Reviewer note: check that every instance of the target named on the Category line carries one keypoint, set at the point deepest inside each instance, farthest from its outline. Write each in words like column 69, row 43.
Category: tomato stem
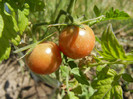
column 109, row 63
column 33, row 45
column 94, row 20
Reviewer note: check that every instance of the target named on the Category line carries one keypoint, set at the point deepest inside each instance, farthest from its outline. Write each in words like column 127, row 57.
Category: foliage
column 39, row 20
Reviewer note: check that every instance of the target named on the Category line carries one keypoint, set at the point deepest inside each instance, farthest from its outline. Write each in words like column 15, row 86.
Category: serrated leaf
column 111, row 48
column 23, row 18
column 1, row 25
column 107, row 85
column 96, row 10
column 127, row 77
column 9, row 34
column 116, row 14
column 80, row 77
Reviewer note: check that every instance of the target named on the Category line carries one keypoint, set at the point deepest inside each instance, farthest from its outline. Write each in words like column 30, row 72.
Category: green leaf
column 129, row 57
column 107, row 85
column 72, row 64
column 64, row 71
column 9, row 34
column 87, row 92
column 70, row 95
column 97, row 39
column 96, row 10
column 23, row 18
column 111, row 14
column 127, row 77
column 111, row 49
column 4, row 49
column 80, row 77
column 77, row 90
column 36, row 5
column 116, row 14
column 47, row 79
column 1, row 25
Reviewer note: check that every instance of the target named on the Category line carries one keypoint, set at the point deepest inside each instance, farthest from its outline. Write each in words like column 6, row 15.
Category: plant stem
column 108, row 63
column 100, row 18
column 70, row 9
column 32, row 45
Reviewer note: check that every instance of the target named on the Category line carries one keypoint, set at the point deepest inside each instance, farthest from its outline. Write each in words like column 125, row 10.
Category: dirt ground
column 15, row 84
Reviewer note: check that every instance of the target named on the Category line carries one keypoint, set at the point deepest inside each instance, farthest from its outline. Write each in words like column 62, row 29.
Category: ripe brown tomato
column 44, row 59
column 76, row 42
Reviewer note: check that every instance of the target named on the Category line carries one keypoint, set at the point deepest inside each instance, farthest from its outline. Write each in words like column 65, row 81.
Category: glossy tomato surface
column 76, row 42
column 44, row 59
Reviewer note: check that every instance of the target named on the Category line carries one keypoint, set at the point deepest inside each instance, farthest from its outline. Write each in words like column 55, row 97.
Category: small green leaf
column 72, row 64
column 80, row 77
column 96, row 10
column 127, row 77
column 116, row 14
column 64, row 71
column 107, row 85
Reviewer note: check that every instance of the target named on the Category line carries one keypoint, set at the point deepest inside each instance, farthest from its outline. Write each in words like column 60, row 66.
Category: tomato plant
column 44, row 59
column 32, row 28
column 76, row 42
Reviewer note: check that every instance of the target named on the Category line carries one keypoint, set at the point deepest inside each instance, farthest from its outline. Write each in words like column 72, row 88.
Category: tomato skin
column 76, row 42
column 44, row 59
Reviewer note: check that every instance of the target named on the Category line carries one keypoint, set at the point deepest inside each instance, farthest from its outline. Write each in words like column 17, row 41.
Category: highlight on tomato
column 44, row 59
column 76, row 42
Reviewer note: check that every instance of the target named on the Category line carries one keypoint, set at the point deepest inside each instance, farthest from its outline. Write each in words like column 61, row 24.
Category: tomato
column 76, row 42
column 44, row 59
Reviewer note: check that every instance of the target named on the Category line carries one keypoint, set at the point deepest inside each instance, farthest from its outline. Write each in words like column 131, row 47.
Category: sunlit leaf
column 9, row 34
column 107, row 85
column 111, row 49
column 23, row 18
column 70, row 95
column 116, row 14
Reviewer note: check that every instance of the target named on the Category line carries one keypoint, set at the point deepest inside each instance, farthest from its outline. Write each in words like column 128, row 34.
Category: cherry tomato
column 76, row 42
column 44, row 59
